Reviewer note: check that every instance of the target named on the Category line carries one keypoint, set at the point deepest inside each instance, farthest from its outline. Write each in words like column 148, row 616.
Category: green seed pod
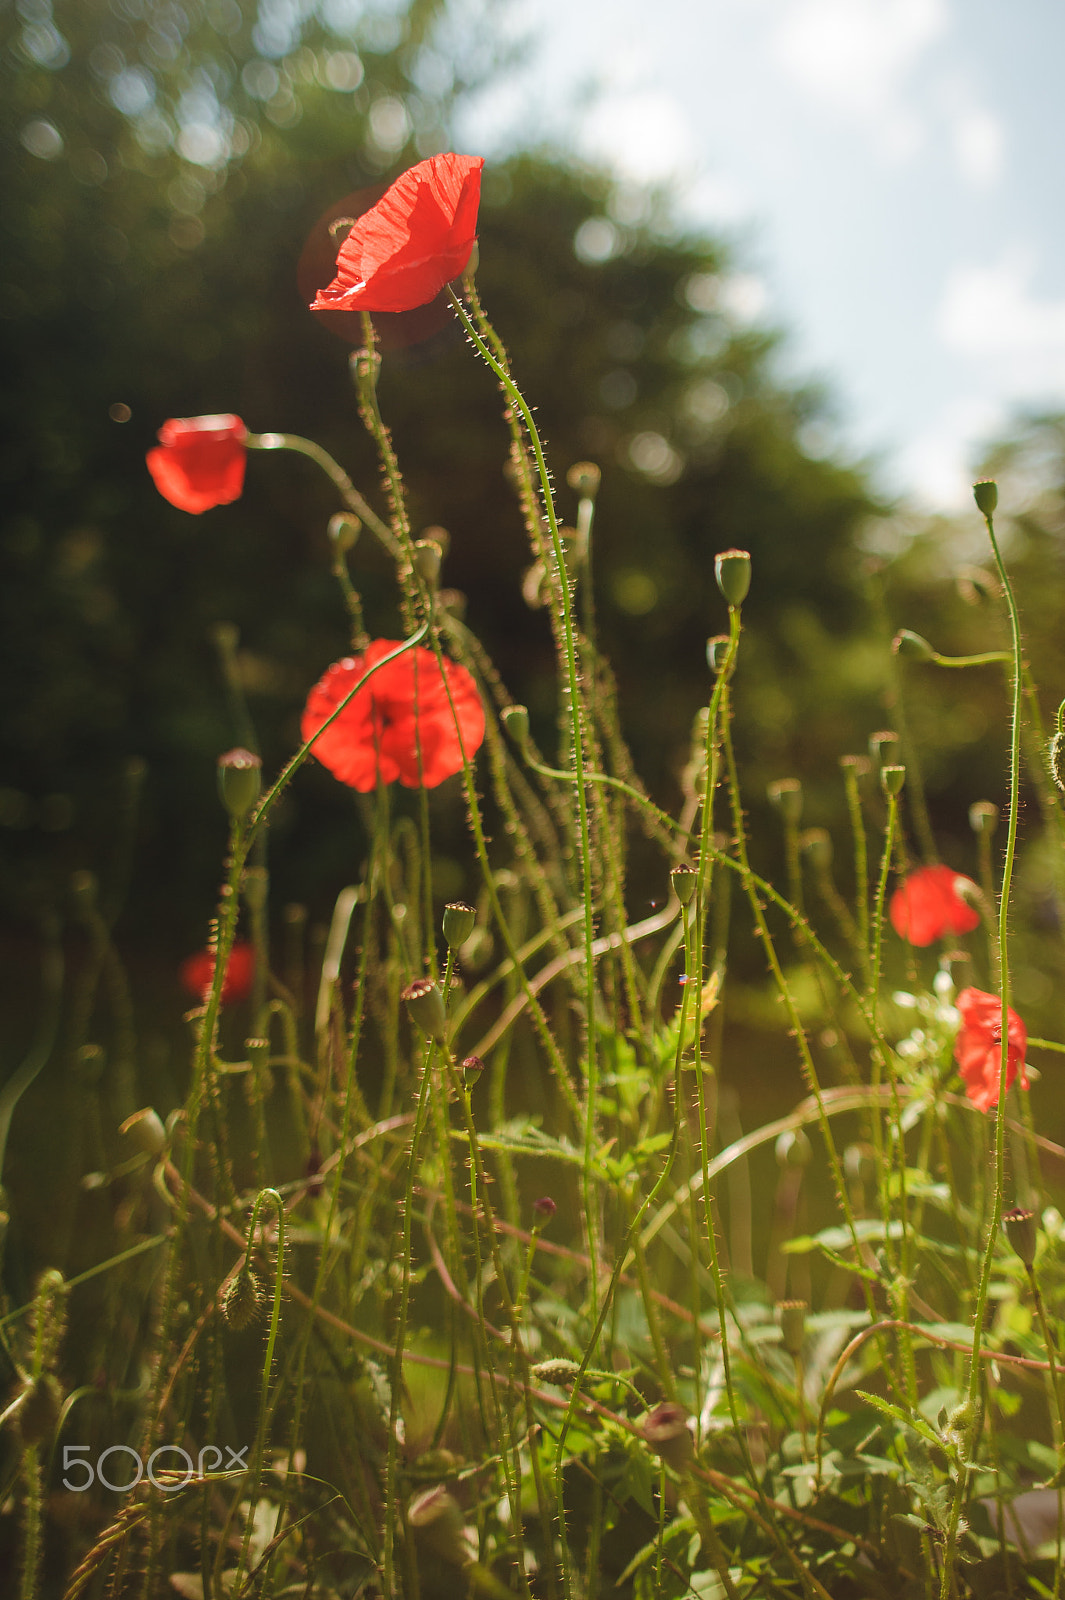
column 685, row 880
column 883, row 745
column 665, row 1428
column 892, row 780
column 791, row 1315
column 243, row 1300
column 732, row 569
column 861, row 766
column 985, row 494
column 343, row 531
column 983, row 816
column 908, row 643
column 515, row 720
column 1022, row 1231
column 472, row 1067
column 426, row 1006
column 786, row 797
column 459, row 920
column 240, row 781
column 584, row 478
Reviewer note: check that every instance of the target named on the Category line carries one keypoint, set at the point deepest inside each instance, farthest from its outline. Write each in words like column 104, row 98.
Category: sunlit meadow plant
column 465, row 1278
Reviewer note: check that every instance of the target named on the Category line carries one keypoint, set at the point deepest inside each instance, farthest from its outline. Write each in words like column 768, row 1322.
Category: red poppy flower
column 978, row 1047
column 929, row 905
column 197, row 973
column 400, row 724
column 199, row 461
column 418, row 236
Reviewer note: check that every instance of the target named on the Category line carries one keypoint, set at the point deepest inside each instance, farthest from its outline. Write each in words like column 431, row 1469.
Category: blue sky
column 891, row 172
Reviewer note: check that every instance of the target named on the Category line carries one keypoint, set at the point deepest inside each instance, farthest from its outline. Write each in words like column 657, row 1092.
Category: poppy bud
column 426, row 1006
column 882, row 745
column 817, row 844
column 717, row 651
column 983, row 816
column 240, row 781
column 515, row 720
column 242, row 1301
column 985, row 494
column 786, row 796
column 665, row 1428
column 427, row 559
column 793, row 1148
column 1022, row 1231
column 684, row 880
column 584, row 478
column 343, row 531
column 147, row 1131
column 892, row 780
column 472, row 1067
column 908, row 643
column 436, row 1517
column 732, row 569
column 543, row 1210
column 558, row 1372
column 459, row 920
column 792, row 1318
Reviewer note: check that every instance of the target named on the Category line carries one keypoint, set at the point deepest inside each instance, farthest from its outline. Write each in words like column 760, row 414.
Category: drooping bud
column 343, row 531
column 459, row 919
column 243, row 1300
column 427, row 558
column 816, row 843
column 793, row 1148
column 892, row 780
column 240, row 781
column 515, row 720
column 440, row 537
column 685, row 880
column 908, row 643
column 792, row 1317
column 436, row 1517
column 983, row 816
column 665, row 1428
column 786, row 796
column 732, row 569
column 717, row 652
column 543, row 1210
column 985, row 493
column 1022, row 1231
column 426, row 1006
column 584, row 478
column 146, row 1129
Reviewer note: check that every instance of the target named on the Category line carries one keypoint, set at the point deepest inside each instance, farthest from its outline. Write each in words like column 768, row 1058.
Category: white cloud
column 854, row 57
column 978, row 146
column 992, row 315
column 643, row 134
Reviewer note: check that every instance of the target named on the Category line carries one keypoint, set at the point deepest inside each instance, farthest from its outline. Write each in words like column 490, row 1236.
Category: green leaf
column 915, row 1424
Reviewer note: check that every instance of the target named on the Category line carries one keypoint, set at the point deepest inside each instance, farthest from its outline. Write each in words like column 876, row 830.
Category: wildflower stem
column 272, row 1198
column 336, row 474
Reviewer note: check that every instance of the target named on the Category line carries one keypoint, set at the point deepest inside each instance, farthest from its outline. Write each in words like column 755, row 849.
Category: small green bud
column 584, row 478
column 459, row 920
column 985, row 494
column 983, row 816
column 515, row 720
column 437, row 1519
column 240, row 781
column 1022, row 1231
column 665, row 1428
column 882, row 745
column 343, row 531
column 543, row 1210
column 472, row 1067
column 892, row 780
column 427, row 558
column 684, row 879
column 791, row 1315
column 243, row 1300
column 908, row 643
column 559, row 1372
column 426, row 1006
column 717, row 652
column 793, row 1149
column 786, row 796
column 732, row 569
column 816, row 843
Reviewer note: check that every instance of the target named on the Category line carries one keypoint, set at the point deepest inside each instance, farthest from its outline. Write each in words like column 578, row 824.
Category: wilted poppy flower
column 199, row 461
column 929, row 905
column 197, row 973
column 978, row 1047
column 400, row 724
column 418, row 236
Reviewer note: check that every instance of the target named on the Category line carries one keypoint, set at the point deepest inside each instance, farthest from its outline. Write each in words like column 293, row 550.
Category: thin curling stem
column 951, row 1545
column 573, row 688
column 263, row 1198
column 336, row 474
